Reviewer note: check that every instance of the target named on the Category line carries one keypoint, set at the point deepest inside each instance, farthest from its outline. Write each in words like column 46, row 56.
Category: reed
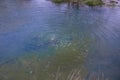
column 75, row 74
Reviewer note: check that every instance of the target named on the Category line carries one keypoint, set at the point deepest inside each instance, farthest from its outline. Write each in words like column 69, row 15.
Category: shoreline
column 89, row 2
column 111, row 2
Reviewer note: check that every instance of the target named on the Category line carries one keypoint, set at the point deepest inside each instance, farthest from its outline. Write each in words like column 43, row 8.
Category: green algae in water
column 33, row 67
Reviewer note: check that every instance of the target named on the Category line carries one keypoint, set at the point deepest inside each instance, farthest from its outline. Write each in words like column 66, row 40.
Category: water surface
column 44, row 28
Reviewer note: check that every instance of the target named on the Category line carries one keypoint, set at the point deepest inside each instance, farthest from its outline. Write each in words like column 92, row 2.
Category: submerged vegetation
column 66, row 63
column 59, row 1
column 33, row 68
column 87, row 2
column 66, row 58
column 93, row 2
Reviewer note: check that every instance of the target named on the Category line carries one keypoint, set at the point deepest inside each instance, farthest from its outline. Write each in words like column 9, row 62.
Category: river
column 40, row 27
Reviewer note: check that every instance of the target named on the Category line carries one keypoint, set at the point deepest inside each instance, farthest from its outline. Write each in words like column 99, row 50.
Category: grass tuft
column 87, row 2
column 93, row 2
column 59, row 1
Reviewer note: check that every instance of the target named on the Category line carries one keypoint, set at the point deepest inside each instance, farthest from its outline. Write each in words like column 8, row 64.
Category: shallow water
column 44, row 28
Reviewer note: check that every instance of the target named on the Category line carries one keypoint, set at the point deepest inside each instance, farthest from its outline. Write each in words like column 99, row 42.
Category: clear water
column 41, row 27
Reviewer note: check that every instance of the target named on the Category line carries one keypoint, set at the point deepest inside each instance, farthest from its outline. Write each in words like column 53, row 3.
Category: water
column 44, row 28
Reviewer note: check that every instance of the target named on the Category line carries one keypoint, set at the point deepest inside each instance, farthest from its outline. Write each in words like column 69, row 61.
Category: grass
column 93, row 2
column 87, row 2
column 59, row 1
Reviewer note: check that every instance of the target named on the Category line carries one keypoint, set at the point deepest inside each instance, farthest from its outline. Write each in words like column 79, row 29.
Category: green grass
column 93, row 2
column 59, row 1
column 87, row 2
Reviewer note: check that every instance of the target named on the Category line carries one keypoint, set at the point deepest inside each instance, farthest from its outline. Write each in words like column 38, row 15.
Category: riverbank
column 90, row 2
column 111, row 2
column 79, row 2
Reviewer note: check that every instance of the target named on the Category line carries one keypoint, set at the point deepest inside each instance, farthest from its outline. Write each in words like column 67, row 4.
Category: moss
column 93, row 2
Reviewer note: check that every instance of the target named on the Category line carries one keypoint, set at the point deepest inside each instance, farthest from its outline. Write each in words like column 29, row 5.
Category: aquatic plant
column 75, row 74
column 93, row 2
column 59, row 1
column 67, row 55
column 87, row 2
column 33, row 68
